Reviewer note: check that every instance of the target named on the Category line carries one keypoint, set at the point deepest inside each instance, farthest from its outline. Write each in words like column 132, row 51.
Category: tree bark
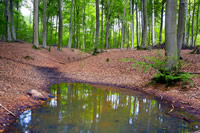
column 107, row 24
column 170, row 34
column 188, row 36
column 12, row 21
column 132, row 23
column 197, row 23
column 153, row 21
column 123, row 26
column 70, row 27
column 102, row 2
column 144, row 31
column 192, row 40
column 97, row 27
column 84, row 25
column 36, row 24
column 185, row 35
column 44, row 44
column 180, row 26
column 60, row 25
column 8, row 34
column 137, row 26
column 161, row 21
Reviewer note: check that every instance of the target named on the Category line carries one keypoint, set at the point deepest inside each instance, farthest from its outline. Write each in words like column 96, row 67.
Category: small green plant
column 107, row 60
column 163, row 76
column 28, row 58
column 49, row 49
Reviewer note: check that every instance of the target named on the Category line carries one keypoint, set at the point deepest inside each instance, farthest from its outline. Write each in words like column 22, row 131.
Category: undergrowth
column 163, row 76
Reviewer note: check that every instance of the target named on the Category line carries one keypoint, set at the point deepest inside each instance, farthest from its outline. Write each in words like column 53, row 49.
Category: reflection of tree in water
column 82, row 108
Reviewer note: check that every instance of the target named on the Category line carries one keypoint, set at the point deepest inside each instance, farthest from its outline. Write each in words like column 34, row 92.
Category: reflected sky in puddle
column 82, row 108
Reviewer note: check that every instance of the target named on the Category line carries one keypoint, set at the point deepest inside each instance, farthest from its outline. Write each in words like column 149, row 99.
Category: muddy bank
column 23, row 68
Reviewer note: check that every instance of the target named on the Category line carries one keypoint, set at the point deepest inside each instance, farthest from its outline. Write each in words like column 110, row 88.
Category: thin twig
column 7, row 110
column 171, row 109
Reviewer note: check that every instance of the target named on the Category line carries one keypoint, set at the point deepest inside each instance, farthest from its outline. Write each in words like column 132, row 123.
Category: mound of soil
column 23, row 68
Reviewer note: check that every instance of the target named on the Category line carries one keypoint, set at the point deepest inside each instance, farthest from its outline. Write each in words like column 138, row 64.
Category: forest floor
column 23, row 68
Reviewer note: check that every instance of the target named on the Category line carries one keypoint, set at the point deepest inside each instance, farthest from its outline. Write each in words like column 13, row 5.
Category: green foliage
column 163, row 76
column 35, row 47
column 107, row 60
column 28, row 58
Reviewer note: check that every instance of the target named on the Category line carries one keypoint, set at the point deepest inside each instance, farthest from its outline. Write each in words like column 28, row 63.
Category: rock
column 36, row 94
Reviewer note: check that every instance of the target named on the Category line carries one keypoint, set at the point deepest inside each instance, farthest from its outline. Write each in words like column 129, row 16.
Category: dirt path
column 23, row 68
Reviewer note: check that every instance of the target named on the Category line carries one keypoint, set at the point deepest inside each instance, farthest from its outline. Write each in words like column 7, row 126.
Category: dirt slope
column 23, row 68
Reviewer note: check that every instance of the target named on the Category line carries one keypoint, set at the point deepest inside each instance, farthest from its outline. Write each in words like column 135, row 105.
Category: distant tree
column 44, row 44
column 144, row 31
column 97, row 27
column 8, row 35
column 180, row 26
column 12, row 21
column 123, row 25
column 35, row 24
column 70, row 26
column 60, row 25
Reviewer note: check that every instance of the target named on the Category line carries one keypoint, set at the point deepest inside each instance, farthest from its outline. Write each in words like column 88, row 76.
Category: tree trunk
column 44, row 44
column 84, row 25
column 197, row 23
column 153, row 21
column 12, row 21
column 70, row 28
column 119, row 31
column 36, row 24
column 144, row 31
column 60, row 25
column 8, row 35
column 102, row 2
column 180, row 26
column 161, row 21
column 185, row 35
column 170, row 34
column 97, row 27
column 123, row 26
column 132, row 23
column 188, row 37
column 137, row 26
column 107, row 24
column 192, row 40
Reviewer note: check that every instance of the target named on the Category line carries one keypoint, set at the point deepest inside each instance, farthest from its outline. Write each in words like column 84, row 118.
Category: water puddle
column 83, row 108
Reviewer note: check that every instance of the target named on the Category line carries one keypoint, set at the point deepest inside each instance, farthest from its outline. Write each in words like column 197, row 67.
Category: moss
column 28, row 58
column 35, row 47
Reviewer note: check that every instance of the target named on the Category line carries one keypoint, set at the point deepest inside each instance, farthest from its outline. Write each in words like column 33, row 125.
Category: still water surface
column 83, row 108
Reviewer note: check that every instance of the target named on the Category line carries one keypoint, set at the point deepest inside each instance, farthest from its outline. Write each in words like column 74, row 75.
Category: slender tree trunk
column 161, row 22
column 192, row 40
column 119, row 31
column 12, row 21
column 186, row 13
column 188, row 37
column 180, row 26
column 57, row 17
column 97, row 27
column 144, row 31
column 132, row 23
column 84, row 25
column 137, row 26
column 44, row 44
column 153, row 21
column 8, row 35
column 171, row 34
column 36, row 24
column 102, row 2
column 70, row 28
column 60, row 26
column 197, row 23
column 123, row 26
column 107, row 24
